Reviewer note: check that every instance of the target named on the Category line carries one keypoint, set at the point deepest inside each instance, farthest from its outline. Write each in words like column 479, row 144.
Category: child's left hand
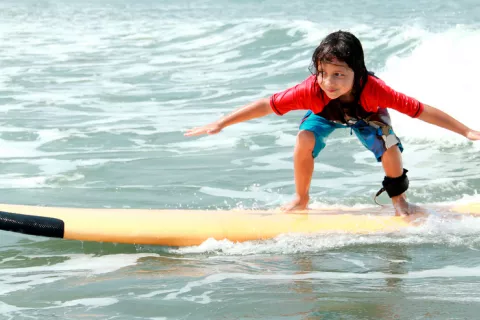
column 473, row 135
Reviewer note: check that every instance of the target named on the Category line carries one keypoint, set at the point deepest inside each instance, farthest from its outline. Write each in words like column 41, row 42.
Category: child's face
column 336, row 79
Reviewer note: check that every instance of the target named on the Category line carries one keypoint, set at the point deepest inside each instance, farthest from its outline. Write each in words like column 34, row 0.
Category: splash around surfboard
column 192, row 227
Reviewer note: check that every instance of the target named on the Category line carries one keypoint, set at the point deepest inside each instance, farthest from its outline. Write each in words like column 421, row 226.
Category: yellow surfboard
column 192, row 227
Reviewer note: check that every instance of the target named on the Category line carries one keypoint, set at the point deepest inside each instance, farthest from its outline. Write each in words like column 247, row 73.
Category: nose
column 326, row 81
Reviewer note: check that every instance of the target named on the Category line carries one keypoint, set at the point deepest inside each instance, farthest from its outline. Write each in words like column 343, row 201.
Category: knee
column 393, row 151
column 305, row 141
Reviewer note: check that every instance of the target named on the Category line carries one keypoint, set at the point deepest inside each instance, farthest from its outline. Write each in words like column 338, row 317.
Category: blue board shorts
column 369, row 136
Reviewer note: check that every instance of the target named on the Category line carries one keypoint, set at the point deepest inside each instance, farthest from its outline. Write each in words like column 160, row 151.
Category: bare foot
column 403, row 208
column 299, row 203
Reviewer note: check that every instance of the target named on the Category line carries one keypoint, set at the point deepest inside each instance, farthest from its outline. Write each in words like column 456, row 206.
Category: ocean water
column 96, row 97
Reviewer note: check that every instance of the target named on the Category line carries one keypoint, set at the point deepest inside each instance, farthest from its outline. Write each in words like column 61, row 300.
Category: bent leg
column 392, row 162
column 388, row 149
column 303, row 163
column 393, row 166
column 310, row 141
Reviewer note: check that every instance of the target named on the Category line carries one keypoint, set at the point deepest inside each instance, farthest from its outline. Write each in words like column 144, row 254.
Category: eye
column 338, row 74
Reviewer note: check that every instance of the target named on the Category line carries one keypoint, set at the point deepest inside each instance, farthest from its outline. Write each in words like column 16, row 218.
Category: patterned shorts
column 373, row 138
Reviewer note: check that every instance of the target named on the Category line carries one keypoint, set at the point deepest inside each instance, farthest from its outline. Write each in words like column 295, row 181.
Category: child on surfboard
column 341, row 93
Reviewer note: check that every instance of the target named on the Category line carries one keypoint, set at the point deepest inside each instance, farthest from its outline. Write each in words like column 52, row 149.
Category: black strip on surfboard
column 34, row 225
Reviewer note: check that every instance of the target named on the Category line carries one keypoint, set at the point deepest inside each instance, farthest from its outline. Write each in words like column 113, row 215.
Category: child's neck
column 347, row 97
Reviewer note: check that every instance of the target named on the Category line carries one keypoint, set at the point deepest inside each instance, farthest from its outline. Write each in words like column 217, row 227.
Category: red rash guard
column 308, row 96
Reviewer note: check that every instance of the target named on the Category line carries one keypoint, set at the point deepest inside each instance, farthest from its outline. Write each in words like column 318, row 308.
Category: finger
column 195, row 132
column 474, row 135
column 190, row 132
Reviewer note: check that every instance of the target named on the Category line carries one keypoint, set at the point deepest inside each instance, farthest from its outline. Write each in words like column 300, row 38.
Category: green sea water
column 96, row 97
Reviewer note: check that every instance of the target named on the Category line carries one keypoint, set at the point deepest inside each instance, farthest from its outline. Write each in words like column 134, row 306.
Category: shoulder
column 304, row 95
column 374, row 83
column 378, row 94
column 375, row 88
column 309, row 84
column 307, row 89
column 309, row 92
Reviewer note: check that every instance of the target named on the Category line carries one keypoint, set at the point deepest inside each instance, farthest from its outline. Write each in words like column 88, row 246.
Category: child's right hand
column 211, row 128
column 253, row 110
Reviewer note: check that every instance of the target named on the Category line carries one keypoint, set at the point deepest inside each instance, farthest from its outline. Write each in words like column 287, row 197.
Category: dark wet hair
column 343, row 46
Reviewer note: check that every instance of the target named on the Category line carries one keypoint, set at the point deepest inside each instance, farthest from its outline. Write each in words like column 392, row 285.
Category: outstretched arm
column 439, row 118
column 382, row 95
column 254, row 110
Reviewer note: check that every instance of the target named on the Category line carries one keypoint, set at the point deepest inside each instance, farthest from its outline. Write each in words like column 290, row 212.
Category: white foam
column 434, row 230
column 90, row 303
column 465, row 199
column 207, row 282
column 17, row 181
column 28, row 149
column 156, row 293
column 25, row 278
column 252, row 193
column 8, row 259
column 87, row 302
column 355, row 262
column 7, row 308
column 53, row 171
column 448, row 298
